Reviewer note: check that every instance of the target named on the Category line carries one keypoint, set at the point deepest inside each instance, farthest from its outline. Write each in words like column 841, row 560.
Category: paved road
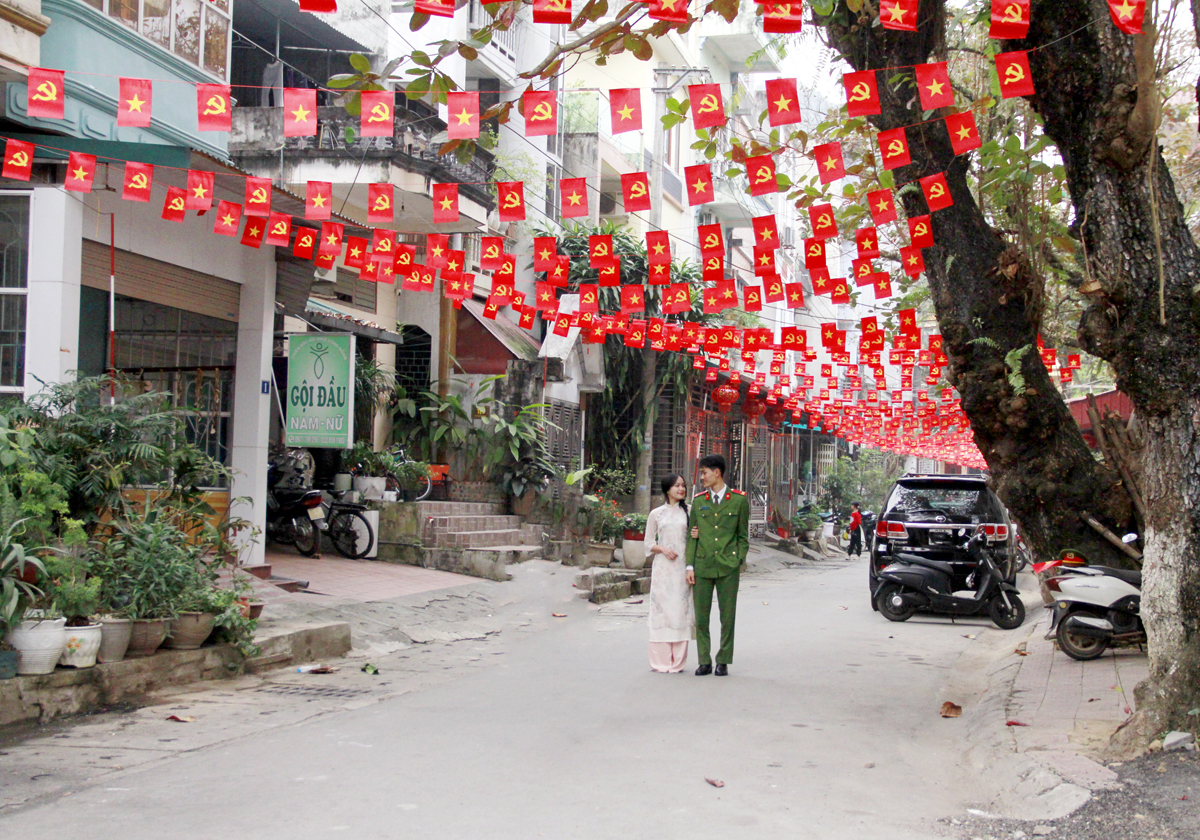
column 828, row 727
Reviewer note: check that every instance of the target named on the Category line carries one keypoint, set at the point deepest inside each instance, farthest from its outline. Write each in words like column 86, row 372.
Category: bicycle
column 349, row 531
column 398, row 459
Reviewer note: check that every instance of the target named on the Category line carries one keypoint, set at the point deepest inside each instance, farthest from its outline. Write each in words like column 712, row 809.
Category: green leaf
column 343, row 80
column 360, row 63
column 467, row 52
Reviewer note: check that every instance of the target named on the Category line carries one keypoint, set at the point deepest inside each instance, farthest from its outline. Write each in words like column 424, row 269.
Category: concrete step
column 435, row 509
column 482, row 539
column 497, row 557
column 288, row 584
column 438, row 525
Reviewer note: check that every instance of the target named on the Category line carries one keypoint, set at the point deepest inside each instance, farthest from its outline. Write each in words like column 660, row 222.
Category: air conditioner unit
column 325, row 275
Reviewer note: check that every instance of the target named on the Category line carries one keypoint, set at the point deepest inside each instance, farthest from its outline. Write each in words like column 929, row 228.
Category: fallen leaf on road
column 968, row 635
column 368, row 668
column 1021, row 651
column 638, row 601
column 766, row 603
column 558, row 615
column 869, row 765
column 1014, row 723
column 182, row 718
column 951, row 710
column 714, row 782
column 843, row 608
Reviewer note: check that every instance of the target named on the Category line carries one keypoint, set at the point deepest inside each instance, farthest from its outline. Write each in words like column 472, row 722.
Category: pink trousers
column 668, row 657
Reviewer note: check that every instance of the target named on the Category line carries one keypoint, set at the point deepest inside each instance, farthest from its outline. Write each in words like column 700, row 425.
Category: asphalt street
column 827, row 727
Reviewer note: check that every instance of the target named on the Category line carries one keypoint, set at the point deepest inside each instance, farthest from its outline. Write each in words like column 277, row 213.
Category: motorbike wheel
column 308, row 538
column 1004, row 616
column 883, row 601
column 1081, row 648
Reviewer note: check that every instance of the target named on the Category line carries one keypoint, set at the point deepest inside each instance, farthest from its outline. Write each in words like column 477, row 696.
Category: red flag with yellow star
column 933, row 83
column 867, row 240
column 766, row 231
column 139, row 178
column 437, row 249
column 45, row 94
column 912, row 261
column 625, row 108
column 445, row 203
column 760, row 170
column 635, row 191
column 541, row 112
column 708, row 110
column 882, row 206
column 545, row 249
column 573, row 194
column 783, row 103
column 893, row 148
column 252, row 234
column 318, row 200
column 937, row 191
column 898, row 14
column 377, row 115
column 632, row 300
column 299, row 112
column 1010, row 19
column 174, row 207
column 964, row 136
column 1012, row 68
column 226, row 221
column 200, row 190
column 81, row 172
column 380, row 209
column 331, row 239
column 258, row 196
column 658, row 247
column 462, row 114
column 213, row 109
column 510, row 196
column 1128, row 15
column 672, row 10
column 862, row 93
column 134, row 101
column 698, row 183
column 830, row 166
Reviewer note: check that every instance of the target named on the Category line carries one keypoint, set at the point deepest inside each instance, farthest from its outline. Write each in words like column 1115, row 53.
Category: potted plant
column 370, row 470
column 633, row 542
column 197, row 616
column 16, row 593
column 77, row 596
column 808, row 523
column 606, row 526
column 410, row 476
column 524, row 479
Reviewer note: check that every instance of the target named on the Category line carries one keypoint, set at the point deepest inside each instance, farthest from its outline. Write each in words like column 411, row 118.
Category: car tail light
column 897, row 531
column 996, row 533
column 881, row 529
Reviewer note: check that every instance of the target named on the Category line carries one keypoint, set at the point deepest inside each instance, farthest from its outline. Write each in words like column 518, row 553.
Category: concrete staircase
column 476, row 538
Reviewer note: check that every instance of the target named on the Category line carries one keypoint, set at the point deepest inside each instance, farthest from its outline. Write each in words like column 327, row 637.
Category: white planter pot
column 342, row 482
column 40, row 643
column 370, row 488
column 633, row 553
column 83, row 643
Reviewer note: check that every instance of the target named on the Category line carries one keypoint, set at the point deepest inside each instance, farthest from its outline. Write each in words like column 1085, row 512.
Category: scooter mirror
column 1129, row 538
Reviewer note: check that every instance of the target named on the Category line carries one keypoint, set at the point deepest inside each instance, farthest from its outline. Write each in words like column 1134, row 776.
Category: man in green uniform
column 716, row 551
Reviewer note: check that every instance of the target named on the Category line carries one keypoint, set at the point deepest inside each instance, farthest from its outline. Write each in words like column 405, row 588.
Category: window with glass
column 195, row 30
column 14, row 259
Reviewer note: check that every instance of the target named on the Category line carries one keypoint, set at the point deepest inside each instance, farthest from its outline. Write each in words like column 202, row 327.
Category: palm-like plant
column 16, row 591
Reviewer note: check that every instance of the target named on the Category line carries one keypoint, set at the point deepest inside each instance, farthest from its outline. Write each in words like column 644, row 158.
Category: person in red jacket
column 855, row 530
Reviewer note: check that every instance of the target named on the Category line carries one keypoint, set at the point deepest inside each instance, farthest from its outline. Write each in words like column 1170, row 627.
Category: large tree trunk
column 988, row 303
column 1098, row 99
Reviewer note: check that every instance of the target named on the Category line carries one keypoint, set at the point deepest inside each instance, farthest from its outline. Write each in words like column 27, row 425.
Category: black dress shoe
column 722, row 670
column 703, row 670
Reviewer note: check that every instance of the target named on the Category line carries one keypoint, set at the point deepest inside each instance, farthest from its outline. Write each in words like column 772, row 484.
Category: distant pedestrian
column 716, row 552
column 855, row 530
column 672, row 620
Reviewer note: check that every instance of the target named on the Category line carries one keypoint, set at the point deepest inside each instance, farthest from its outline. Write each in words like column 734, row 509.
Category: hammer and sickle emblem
column 754, row 296
column 637, row 335
column 895, row 148
column 814, row 251
column 713, row 263
column 259, row 197
column 710, row 241
column 861, row 92
column 382, row 203
column 601, row 249
column 1013, row 74
column 1013, row 14
column 921, row 229
column 708, row 103
column 871, row 328
column 863, row 271
column 214, row 105
column 384, row 246
column 512, row 200
column 280, row 229
column 936, row 191
column 556, row 6
column 637, row 190
column 176, row 203
column 824, row 220
column 492, row 252
column 840, row 290
column 505, row 268
column 139, row 180
column 380, row 113
column 46, row 92
column 306, row 240
column 403, row 258
column 764, row 174
column 21, row 159
column 728, row 336
column 542, row 112
column 589, row 298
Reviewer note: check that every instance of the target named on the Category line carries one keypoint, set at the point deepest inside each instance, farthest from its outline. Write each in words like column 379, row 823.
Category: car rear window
column 915, row 501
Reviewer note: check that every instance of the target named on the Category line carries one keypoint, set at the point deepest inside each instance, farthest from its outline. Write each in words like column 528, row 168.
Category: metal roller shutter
column 159, row 282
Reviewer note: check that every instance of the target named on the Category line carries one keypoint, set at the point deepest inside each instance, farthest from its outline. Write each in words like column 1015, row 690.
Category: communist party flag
column 200, row 190
column 541, row 112
column 81, row 171
column 600, row 249
column 773, row 292
column 318, row 200
column 299, row 112
column 830, row 166
column 783, row 17
column 306, row 243
column 964, row 136
column 511, row 198
column 760, row 170
column 753, row 299
column 438, row 8
column 893, row 148
column 551, row 11
column 698, row 183
column 814, row 253
column 279, row 229
column 933, row 83
column 462, row 107
column 139, row 178
column 862, row 93
column 658, row 247
column 445, row 203
column 227, row 218
column 867, row 240
column 573, row 194
column 379, row 203
column 213, row 111
column 882, row 206
column 920, row 232
column 898, row 14
column 258, row 196
column 823, row 224
column 635, row 191
column 712, row 242
column 491, row 252
column 589, row 298
column 625, row 106
column 377, row 113
column 863, row 271
column 45, row 95
column 318, row 6
column 133, row 102
column 707, row 108
column 677, row 298
column 937, row 191
column 1126, row 14
column 174, row 207
column 610, row 272
column 1012, row 68
column 783, row 103
column 383, row 245
column 1010, row 19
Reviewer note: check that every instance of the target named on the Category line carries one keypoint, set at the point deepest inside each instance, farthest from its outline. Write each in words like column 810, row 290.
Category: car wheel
column 885, row 602
column 1007, row 616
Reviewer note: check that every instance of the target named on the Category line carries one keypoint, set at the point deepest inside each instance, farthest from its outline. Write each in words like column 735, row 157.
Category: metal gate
column 757, row 486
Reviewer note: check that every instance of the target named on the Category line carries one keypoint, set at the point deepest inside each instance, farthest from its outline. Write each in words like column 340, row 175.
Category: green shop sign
column 320, row 391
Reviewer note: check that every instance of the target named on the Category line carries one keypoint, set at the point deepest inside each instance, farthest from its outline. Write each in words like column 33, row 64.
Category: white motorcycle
column 1095, row 607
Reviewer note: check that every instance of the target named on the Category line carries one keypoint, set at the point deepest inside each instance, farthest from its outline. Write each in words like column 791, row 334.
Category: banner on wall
column 320, row 391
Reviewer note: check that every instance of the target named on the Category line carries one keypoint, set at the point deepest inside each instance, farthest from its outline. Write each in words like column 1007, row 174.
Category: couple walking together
column 695, row 552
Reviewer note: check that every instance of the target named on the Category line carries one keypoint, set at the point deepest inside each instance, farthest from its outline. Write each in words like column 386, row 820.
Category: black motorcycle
column 294, row 512
column 912, row 583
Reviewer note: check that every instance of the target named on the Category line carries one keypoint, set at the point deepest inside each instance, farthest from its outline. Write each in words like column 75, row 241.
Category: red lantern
column 725, row 396
column 754, row 409
column 778, row 413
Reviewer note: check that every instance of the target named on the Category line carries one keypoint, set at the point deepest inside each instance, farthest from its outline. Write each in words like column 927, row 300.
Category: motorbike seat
column 917, row 560
column 1133, row 578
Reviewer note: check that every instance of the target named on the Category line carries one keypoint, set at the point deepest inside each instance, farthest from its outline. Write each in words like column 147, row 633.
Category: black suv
column 933, row 516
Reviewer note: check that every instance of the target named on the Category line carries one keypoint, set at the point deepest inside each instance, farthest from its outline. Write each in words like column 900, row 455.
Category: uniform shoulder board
column 739, row 492
column 703, row 495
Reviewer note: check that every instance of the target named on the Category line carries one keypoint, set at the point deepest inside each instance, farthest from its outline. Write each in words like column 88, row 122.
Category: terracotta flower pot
column 600, row 554
column 83, row 644
column 147, row 636
column 114, row 639
column 189, row 630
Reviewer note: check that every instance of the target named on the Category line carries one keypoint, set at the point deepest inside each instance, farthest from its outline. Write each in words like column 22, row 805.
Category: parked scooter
column 912, row 583
column 1095, row 607
column 294, row 512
